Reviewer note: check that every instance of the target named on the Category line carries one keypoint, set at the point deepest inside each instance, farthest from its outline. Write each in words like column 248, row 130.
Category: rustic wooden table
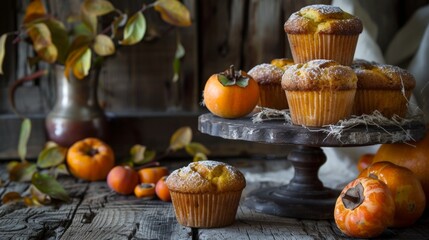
column 95, row 212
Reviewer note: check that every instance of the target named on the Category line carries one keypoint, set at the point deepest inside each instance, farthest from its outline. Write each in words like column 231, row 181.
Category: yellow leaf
column 72, row 59
column 180, row 138
column 11, row 197
column 199, row 157
column 34, row 11
column 42, row 42
column 173, row 12
column 82, row 65
column 193, row 148
column 103, row 45
column 98, row 7
column 2, row 50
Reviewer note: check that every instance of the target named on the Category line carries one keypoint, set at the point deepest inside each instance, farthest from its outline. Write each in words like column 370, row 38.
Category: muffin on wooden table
column 206, row 194
column 319, row 92
column 323, row 32
column 382, row 87
column 269, row 77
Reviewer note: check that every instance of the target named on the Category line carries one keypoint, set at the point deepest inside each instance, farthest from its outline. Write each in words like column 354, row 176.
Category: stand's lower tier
column 305, row 196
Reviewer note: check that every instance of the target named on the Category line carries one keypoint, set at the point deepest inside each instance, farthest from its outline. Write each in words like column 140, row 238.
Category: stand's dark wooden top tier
column 279, row 132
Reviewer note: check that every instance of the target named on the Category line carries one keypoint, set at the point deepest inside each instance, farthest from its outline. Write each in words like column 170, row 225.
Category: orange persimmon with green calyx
column 412, row 155
column 231, row 94
column 365, row 208
column 90, row 159
column 406, row 189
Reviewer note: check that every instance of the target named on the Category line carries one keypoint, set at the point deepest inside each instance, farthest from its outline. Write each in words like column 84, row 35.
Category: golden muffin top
column 319, row 74
column 282, row 62
column 324, row 19
column 266, row 74
column 372, row 75
column 206, row 177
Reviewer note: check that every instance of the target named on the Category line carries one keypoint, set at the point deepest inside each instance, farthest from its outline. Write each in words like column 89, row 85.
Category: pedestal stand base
column 281, row 202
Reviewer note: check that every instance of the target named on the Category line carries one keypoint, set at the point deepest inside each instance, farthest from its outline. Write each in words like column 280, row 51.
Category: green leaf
column 134, row 29
column 180, row 138
column 180, row 53
column 24, row 135
column 22, row 171
column 50, row 157
column 98, row 7
column 242, row 82
column 173, row 12
column 103, row 45
column 193, row 148
column 225, row 81
column 90, row 21
column 60, row 38
column 2, row 50
column 61, row 169
column 49, row 185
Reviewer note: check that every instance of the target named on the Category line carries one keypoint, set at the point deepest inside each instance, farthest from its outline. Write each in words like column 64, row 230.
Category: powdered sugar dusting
column 323, row 9
column 206, row 176
column 266, row 73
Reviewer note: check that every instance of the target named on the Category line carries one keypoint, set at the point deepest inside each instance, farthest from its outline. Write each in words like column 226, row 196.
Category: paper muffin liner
column 272, row 96
column 318, row 108
column 387, row 102
column 205, row 210
column 306, row 47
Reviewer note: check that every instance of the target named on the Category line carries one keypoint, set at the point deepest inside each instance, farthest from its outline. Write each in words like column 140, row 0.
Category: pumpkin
column 90, row 159
column 365, row 208
column 231, row 94
column 406, row 189
column 413, row 155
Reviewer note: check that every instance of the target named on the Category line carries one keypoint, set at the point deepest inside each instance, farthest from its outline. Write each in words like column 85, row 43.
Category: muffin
column 269, row 79
column 206, row 194
column 382, row 87
column 323, row 32
column 282, row 62
column 319, row 92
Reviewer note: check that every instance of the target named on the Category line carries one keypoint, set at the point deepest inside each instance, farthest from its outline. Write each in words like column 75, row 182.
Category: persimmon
column 90, row 159
column 152, row 174
column 364, row 161
column 412, row 155
column 122, row 179
column 406, row 189
column 231, row 94
column 144, row 190
column 162, row 191
column 365, row 208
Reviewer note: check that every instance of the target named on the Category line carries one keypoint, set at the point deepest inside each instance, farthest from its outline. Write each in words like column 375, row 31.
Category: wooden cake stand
column 305, row 196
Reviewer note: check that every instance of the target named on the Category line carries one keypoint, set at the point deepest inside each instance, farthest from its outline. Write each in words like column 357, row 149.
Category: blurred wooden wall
column 138, row 79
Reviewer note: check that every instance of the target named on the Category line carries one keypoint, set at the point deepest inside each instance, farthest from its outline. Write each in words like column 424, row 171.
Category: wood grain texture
column 95, row 212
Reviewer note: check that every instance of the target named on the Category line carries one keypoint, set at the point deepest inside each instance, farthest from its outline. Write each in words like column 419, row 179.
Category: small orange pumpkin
column 90, row 159
column 231, row 94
